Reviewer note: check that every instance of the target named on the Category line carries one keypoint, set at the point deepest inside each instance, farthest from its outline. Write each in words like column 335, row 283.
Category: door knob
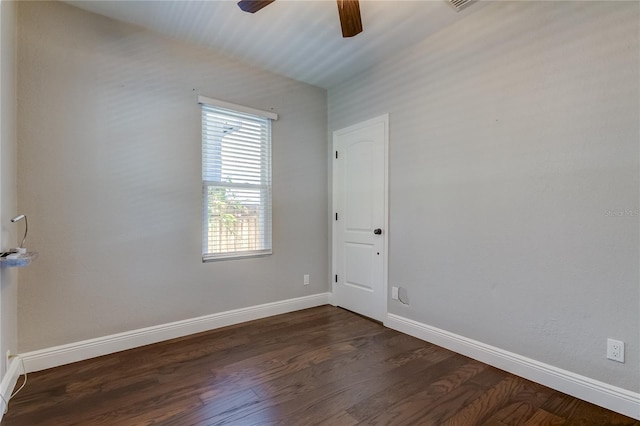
column 377, row 231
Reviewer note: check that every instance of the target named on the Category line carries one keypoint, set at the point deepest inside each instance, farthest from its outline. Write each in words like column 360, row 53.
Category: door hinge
column 336, row 216
column 336, row 155
column 336, row 277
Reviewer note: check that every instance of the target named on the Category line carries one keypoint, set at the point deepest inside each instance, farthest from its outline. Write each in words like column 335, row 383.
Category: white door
column 360, row 217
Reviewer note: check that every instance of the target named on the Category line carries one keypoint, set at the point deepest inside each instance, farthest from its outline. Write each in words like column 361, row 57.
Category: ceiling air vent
column 458, row 5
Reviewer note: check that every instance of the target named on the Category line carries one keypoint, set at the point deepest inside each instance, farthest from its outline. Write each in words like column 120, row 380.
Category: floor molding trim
column 79, row 351
column 605, row 395
column 9, row 381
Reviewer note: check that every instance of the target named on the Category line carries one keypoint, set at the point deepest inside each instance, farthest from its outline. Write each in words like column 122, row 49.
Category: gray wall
column 514, row 141
column 109, row 174
column 8, row 189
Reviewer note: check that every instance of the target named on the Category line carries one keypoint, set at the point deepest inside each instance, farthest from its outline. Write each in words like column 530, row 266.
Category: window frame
column 265, row 186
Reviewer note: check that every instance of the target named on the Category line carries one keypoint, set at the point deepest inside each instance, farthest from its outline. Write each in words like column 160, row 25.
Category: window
column 236, row 180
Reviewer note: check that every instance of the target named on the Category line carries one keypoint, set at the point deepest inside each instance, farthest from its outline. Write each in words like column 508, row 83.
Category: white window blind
column 236, row 181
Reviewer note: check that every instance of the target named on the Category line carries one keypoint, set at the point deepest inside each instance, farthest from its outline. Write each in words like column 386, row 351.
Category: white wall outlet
column 306, row 280
column 394, row 293
column 403, row 295
column 615, row 350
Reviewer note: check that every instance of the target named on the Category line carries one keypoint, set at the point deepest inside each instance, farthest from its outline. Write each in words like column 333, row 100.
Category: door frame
column 385, row 243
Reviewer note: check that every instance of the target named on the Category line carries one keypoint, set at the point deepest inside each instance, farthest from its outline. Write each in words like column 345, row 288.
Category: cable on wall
column 24, row 373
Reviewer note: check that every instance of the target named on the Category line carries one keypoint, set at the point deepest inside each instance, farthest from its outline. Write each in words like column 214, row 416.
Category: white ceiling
column 300, row 39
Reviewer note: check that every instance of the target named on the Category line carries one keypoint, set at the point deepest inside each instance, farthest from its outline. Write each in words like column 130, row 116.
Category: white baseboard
column 73, row 352
column 9, row 381
column 611, row 397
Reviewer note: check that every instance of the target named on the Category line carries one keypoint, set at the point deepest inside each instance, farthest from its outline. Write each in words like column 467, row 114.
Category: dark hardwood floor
column 318, row 366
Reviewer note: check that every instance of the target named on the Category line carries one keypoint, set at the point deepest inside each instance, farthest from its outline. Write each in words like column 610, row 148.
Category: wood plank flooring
column 320, row 366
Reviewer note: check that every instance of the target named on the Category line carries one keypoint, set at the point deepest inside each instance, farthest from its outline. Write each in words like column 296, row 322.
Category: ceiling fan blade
column 350, row 20
column 252, row 6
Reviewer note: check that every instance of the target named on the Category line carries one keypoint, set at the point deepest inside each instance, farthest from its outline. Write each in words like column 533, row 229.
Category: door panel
column 360, row 203
column 358, row 164
column 359, row 267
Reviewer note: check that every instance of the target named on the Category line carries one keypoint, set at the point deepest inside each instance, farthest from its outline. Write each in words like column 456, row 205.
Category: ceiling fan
column 349, row 11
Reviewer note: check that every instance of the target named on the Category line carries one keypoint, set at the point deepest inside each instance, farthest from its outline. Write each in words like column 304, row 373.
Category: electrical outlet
column 403, row 295
column 615, row 350
column 394, row 293
column 306, row 280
